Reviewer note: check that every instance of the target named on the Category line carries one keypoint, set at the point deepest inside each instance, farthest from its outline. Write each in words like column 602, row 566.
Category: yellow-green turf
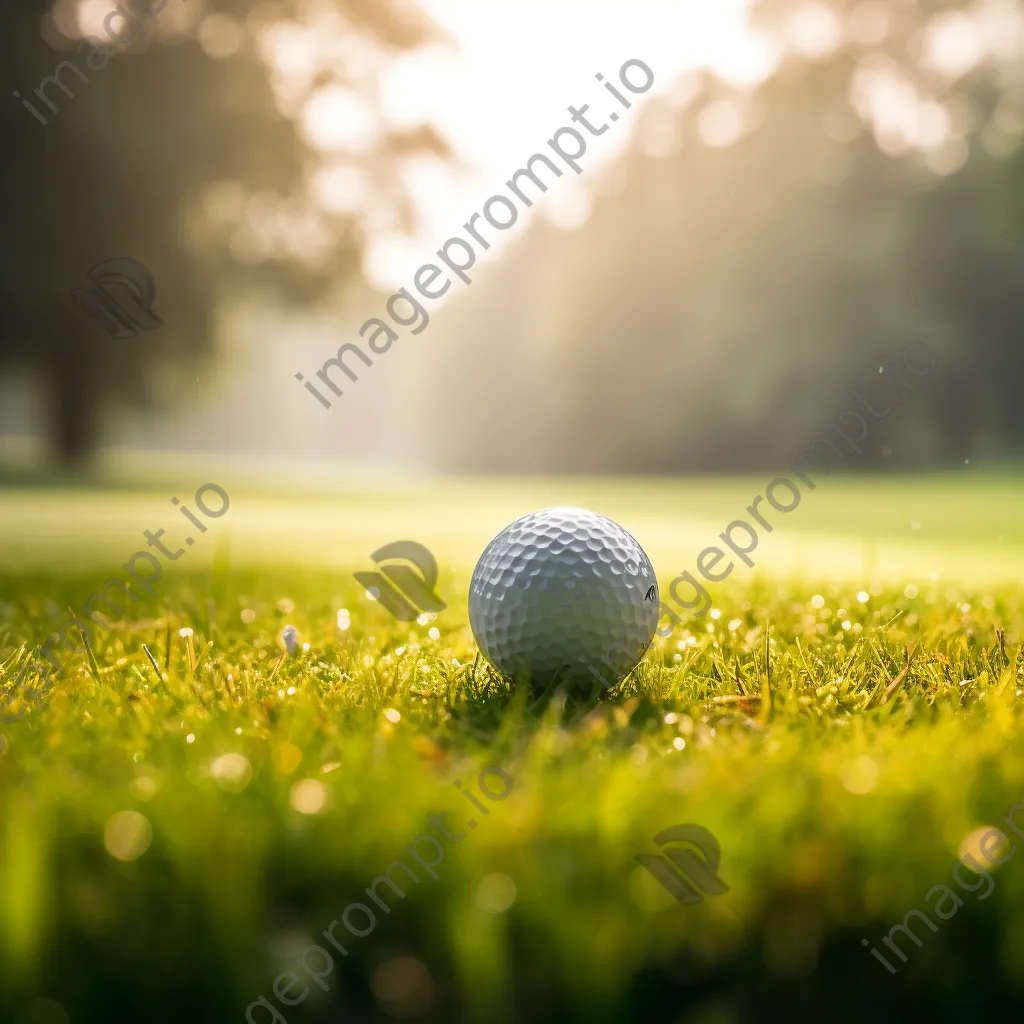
column 844, row 728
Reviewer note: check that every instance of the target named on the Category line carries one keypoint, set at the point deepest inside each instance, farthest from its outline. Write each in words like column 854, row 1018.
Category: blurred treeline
column 722, row 301
column 714, row 312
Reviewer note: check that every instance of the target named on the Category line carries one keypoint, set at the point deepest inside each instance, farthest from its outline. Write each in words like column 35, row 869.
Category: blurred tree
column 188, row 144
column 759, row 251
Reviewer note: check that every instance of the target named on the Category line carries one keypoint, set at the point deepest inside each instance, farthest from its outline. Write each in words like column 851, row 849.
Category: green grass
column 840, row 787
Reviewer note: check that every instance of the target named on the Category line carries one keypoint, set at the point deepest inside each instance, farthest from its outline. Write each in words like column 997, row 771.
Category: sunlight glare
column 340, row 188
column 337, row 119
column 720, row 123
column 869, row 22
column 952, row 44
column 815, row 31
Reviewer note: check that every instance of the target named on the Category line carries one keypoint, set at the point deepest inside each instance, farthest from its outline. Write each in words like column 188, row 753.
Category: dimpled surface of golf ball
column 564, row 595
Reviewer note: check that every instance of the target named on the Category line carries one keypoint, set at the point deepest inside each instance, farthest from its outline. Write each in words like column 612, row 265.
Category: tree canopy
column 178, row 140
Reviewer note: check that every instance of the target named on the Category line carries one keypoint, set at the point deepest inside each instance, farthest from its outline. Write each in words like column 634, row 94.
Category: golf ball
column 564, row 595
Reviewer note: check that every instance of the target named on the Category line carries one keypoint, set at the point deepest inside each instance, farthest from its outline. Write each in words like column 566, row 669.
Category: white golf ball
column 564, row 595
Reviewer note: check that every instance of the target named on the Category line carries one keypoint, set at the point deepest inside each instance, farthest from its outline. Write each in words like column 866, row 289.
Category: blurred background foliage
column 762, row 252
column 188, row 152
column 756, row 251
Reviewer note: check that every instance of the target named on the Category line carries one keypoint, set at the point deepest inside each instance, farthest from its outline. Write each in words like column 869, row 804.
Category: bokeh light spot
column 127, row 835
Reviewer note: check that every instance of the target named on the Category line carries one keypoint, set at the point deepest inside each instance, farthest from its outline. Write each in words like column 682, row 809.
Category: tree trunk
column 73, row 414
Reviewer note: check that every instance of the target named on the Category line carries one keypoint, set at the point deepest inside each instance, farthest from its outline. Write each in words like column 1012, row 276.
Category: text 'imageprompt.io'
column 783, row 495
column 458, row 254
column 994, row 849
column 358, row 919
column 83, row 627
column 128, row 35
